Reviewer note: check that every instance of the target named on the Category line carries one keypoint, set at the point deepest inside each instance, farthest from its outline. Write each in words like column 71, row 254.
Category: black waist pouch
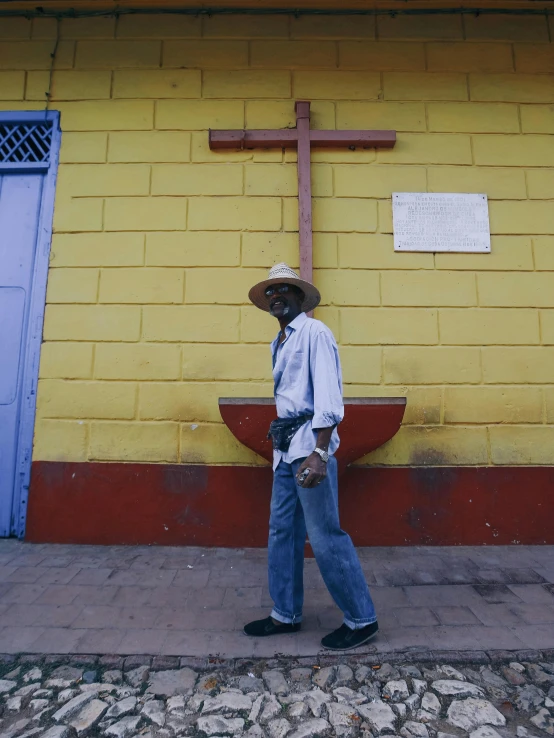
column 282, row 430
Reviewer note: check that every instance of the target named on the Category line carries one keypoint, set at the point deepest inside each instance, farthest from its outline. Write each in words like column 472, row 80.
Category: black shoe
column 345, row 638
column 267, row 627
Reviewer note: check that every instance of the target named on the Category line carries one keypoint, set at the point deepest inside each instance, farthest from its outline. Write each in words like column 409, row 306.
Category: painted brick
column 344, row 155
column 333, row 85
column 533, row 216
column 109, row 115
column 492, row 405
column 197, row 179
column 549, row 395
column 375, row 251
column 266, row 249
column 344, row 214
column 97, row 249
column 145, row 214
column 322, row 26
column 540, row 184
column 212, row 444
column 205, row 54
column 385, row 216
column 534, row 58
column 70, row 85
column 464, row 57
column 543, row 248
column 193, row 249
column 381, row 55
column 192, row 323
column 361, row 364
column 83, row 148
column 520, row 151
column 226, row 362
column 506, row 27
column 428, row 288
column 15, row 28
column 118, row 54
column 438, row 446
column 154, row 146
column 423, row 407
column 248, row 83
column 134, row 441
column 235, row 214
column 381, row 115
column 273, row 179
column 72, row 285
column 60, row 440
column 345, row 287
column 221, row 286
column 281, row 114
column 331, row 317
column 141, row 285
column 424, row 86
column 245, row 26
column 525, row 88
column 60, row 399
column 35, row 55
column 193, row 115
column 158, row 26
column 547, row 326
column 193, row 401
column 509, row 289
column 498, row 184
column 75, row 28
column 158, row 84
column 423, row 26
column 537, row 118
column 66, row 360
column 474, row 118
column 439, row 365
column 257, row 326
column 388, row 326
column 12, row 85
column 517, row 365
column 481, row 327
column 137, row 361
column 44, row 28
column 92, row 323
column 98, row 180
column 436, row 148
column 293, row 54
column 77, row 214
column 357, row 181
column 509, row 253
column 516, row 446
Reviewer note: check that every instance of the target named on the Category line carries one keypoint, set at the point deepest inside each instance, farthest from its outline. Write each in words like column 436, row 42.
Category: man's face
column 285, row 301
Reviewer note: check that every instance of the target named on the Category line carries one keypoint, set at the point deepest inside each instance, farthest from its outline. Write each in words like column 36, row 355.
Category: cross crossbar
column 302, row 138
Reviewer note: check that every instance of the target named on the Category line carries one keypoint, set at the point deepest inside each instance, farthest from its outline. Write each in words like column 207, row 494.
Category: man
column 308, row 398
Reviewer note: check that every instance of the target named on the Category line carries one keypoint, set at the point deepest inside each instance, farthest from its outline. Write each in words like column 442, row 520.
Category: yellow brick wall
column 157, row 239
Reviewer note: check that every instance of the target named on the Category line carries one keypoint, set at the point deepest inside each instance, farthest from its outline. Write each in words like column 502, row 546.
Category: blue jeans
column 296, row 511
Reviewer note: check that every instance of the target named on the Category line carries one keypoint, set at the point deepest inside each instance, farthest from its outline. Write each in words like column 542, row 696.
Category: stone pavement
column 62, row 599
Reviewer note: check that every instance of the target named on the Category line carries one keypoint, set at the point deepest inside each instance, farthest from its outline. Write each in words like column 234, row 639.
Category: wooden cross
column 302, row 138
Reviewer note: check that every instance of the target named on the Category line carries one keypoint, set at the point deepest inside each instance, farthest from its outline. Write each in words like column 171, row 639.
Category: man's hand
column 318, row 471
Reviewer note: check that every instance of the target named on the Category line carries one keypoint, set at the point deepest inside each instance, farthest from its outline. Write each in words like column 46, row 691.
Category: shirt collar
column 294, row 325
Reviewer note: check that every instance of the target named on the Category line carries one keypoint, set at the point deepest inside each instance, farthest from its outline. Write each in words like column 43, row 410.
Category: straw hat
column 283, row 274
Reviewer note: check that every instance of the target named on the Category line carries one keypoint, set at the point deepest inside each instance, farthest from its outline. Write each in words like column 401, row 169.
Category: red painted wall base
column 229, row 505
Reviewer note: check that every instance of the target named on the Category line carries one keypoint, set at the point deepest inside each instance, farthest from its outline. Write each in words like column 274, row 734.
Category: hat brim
column 311, row 300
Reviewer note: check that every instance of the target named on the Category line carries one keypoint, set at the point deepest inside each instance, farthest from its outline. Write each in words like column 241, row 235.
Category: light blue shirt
column 308, row 381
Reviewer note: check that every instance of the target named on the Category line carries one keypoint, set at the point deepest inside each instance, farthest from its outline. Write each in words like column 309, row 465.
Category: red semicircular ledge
column 368, row 423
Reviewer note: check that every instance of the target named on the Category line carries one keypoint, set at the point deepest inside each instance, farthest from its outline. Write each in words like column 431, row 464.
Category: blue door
column 27, row 177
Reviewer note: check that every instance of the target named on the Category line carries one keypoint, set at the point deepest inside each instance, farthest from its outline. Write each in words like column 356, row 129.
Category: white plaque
column 441, row 221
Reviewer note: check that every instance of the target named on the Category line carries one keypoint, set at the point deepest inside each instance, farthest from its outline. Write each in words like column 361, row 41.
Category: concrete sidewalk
column 193, row 602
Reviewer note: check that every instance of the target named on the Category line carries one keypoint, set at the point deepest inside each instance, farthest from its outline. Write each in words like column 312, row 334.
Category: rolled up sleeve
column 327, row 381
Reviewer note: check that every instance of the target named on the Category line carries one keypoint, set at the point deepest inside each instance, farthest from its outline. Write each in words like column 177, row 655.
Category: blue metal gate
column 29, row 144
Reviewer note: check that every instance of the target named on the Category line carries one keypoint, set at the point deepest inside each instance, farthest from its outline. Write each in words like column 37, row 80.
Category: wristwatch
column 322, row 454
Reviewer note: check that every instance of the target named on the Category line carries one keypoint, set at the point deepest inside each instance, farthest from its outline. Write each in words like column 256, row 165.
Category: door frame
column 33, row 327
